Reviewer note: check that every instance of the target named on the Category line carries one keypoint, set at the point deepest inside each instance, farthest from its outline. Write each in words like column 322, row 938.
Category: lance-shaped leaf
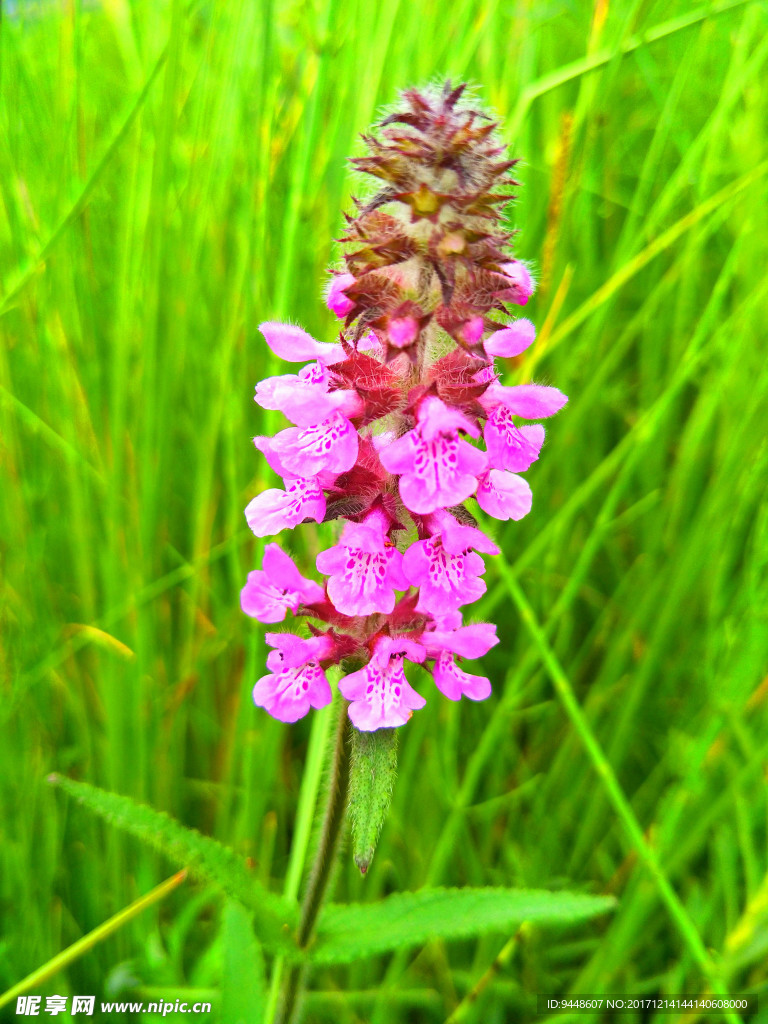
column 275, row 918
column 372, row 773
column 243, row 989
column 359, row 930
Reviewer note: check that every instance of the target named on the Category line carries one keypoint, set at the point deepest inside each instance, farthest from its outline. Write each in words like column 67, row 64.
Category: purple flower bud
column 403, row 332
column 520, row 285
column 472, row 331
column 335, row 299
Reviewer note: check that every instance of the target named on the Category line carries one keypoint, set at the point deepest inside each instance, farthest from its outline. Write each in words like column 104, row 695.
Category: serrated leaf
column 243, row 990
column 359, row 930
column 275, row 918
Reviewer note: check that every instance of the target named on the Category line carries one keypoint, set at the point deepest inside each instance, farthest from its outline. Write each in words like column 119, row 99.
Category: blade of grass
column 621, row 804
column 87, row 942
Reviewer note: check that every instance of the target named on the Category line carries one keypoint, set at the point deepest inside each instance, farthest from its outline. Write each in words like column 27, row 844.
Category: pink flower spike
column 330, row 446
column 510, row 341
column 294, row 344
column 381, row 696
column 471, row 641
column 293, row 651
column 504, row 495
column 274, row 510
column 511, row 447
column 271, row 591
column 335, row 299
column 289, row 694
column 521, row 285
column 437, row 468
column 365, row 570
column 530, row 401
column 454, row 683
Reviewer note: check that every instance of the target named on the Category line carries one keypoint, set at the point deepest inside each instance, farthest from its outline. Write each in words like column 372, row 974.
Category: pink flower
column 330, row 446
column 381, row 695
column 293, row 651
column 511, row 447
column 274, row 510
column 504, row 495
column 335, row 299
column 531, row 401
column 454, row 683
column 520, row 287
column 510, row 341
column 289, row 694
column 271, row 591
column 304, row 397
column 438, row 469
column 471, row 641
column 294, row 344
column 365, row 569
column 445, row 568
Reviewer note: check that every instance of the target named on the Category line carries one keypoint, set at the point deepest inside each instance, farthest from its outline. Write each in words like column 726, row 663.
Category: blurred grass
column 174, row 173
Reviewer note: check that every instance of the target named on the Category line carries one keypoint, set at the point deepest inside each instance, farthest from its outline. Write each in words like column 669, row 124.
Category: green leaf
column 359, row 930
column 243, row 990
column 275, row 918
column 372, row 774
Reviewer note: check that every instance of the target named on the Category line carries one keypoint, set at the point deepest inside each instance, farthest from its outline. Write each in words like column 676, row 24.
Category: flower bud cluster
column 399, row 424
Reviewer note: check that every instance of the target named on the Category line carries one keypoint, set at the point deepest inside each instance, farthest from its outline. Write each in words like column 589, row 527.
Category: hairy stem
column 322, row 866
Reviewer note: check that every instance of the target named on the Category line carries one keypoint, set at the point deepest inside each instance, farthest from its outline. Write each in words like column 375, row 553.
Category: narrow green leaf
column 243, row 990
column 356, row 931
column 372, row 774
column 87, row 942
column 275, row 918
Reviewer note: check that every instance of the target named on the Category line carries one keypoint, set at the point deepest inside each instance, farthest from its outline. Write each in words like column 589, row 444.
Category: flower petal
column 274, row 510
column 510, row 341
column 504, row 495
column 294, row 344
column 330, row 446
column 289, row 694
column 454, row 683
column 381, row 696
column 471, row 641
column 530, row 401
column 509, row 446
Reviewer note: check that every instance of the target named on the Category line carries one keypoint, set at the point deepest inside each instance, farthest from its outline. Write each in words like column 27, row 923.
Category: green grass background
column 171, row 174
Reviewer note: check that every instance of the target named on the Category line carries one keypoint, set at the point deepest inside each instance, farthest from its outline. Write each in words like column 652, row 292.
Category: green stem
column 325, row 855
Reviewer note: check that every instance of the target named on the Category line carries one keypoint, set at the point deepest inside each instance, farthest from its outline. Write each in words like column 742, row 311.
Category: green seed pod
column 372, row 773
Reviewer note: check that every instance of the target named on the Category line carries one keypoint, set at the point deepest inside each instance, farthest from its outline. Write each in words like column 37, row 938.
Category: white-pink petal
column 295, row 345
column 504, row 495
